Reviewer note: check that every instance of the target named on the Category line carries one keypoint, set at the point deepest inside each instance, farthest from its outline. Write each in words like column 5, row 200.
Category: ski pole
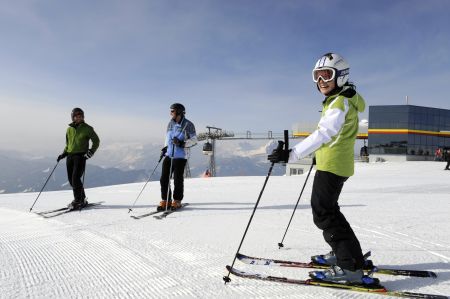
column 279, row 148
column 148, row 179
column 280, row 245
column 170, row 175
column 44, row 185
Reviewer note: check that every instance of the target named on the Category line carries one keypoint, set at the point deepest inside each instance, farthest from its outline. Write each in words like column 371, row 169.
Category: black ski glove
column 62, row 156
column 178, row 142
column 279, row 156
column 163, row 152
column 89, row 154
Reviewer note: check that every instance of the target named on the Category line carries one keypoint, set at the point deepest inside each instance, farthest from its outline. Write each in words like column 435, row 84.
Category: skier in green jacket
column 333, row 143
column 77, row 152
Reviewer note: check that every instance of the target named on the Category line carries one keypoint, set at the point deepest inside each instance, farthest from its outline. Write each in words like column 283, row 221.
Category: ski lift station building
column 407, row 132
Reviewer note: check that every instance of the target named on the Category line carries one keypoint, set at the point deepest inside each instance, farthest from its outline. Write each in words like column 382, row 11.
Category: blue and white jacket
column 184, row 131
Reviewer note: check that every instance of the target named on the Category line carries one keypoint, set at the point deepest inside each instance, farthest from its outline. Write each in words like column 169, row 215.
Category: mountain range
column 121, row 163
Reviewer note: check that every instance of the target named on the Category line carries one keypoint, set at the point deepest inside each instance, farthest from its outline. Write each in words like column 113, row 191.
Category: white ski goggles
column 327, row 74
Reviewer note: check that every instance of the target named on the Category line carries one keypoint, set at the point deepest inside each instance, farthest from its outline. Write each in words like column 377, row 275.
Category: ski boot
column 83, row 204
column 72, row 205
column 328, row 259
column 338, row 275
column 176, row 204
column 77, row 204
column 163, row 206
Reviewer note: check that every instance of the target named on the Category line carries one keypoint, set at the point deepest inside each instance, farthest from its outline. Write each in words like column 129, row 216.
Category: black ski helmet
column 179, row 108
column 76, row 111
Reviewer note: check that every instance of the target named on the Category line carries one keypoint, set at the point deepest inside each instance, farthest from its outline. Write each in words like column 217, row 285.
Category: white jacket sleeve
column 329, row 125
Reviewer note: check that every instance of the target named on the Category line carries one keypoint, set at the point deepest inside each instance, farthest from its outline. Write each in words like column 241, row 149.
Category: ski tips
column 239, row 256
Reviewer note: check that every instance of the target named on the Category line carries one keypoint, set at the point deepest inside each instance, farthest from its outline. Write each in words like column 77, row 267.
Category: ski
column 62, row 211
column 373, row 269
column 168, row 212
column 50, row 211
column 350, row 287
column 145, row 215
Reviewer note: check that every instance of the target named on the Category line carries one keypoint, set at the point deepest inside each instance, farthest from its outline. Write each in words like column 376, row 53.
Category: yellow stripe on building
column 306, row 134
column 387, row 131
column 409, row 131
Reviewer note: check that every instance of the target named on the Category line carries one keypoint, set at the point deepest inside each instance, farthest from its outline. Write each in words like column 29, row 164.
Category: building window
column 296, row 171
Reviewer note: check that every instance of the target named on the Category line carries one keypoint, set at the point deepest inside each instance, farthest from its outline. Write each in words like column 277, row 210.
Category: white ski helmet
column 336, row 66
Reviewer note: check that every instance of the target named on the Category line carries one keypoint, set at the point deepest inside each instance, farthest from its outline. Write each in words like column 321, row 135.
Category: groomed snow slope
column 399, row 211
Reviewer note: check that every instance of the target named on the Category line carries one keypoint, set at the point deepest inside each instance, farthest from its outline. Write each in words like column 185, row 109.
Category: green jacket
column 337, row 155
column 77, row 139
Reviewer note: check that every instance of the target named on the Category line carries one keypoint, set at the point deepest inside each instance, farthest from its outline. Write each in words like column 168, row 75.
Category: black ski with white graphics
column 168, row 212
column 370, row 268
column 58, row 212
column 349, row 287
column 145, row 215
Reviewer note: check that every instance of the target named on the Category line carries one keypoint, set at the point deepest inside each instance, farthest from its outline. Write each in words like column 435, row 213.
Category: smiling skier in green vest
column 333, row 143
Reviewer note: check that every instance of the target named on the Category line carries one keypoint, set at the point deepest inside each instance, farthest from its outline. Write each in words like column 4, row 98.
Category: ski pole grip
column 286, row 140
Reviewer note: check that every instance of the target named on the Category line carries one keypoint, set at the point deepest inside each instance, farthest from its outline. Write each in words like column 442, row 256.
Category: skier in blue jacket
column 180, row 136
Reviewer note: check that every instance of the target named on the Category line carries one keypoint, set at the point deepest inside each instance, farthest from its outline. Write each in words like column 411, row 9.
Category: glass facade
column 408, row 130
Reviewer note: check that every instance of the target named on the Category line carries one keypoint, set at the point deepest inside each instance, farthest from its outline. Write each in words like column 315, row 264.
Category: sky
column 238, row 65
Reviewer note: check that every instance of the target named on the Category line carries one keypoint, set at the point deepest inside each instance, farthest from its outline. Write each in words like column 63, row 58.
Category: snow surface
column 399, row 211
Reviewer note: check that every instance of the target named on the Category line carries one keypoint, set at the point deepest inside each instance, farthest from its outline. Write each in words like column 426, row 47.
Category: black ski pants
column 178, row 178
column 76, row 165
column 327, row 216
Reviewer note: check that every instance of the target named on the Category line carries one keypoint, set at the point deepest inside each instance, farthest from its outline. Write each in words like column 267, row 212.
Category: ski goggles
column 327, row 74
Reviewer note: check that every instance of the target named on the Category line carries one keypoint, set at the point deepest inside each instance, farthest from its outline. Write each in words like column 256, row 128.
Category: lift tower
column 210, row 146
